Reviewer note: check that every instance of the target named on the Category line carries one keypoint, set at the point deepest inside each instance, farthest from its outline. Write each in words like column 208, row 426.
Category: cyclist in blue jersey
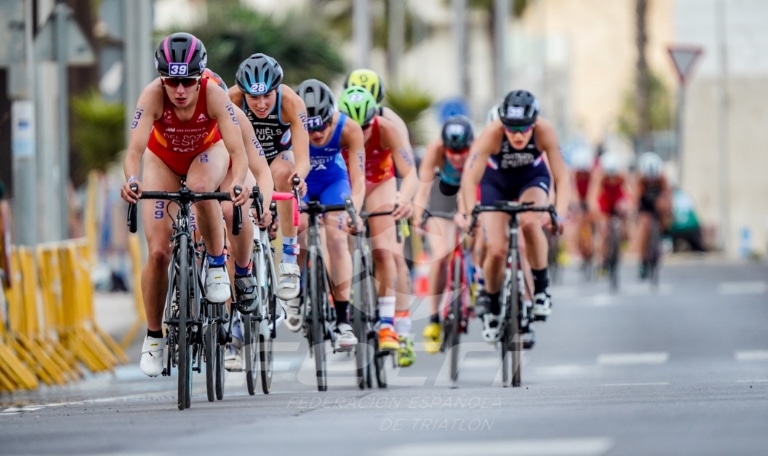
column 278, row 116
column 329, row 182
column 508, row 161
column 443, row 160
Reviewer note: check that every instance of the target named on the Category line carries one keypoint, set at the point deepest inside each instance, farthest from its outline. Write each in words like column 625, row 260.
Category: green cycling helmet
column 359, row 104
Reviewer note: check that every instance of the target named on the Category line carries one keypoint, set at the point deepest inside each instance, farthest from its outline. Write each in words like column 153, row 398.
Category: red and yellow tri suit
column 178, row 143
column 379, row 165
column 611, row 193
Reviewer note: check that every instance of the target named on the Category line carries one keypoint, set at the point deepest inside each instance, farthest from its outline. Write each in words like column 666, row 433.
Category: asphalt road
column 681, row 370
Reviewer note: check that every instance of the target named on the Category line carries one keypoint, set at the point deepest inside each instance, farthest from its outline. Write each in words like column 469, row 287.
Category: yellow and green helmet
column 358, row 104
column 367, row 79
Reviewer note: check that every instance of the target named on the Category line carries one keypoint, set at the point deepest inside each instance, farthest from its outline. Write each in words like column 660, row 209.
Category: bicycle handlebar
column 398, row 233
column 514, row 208
column 186, row 196
column 293, row 195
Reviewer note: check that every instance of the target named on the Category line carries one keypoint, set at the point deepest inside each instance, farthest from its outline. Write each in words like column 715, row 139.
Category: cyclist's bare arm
column 487, row 143
column 149, row 108
column 426, row 179
column 294, row 111
column 546, row 140
column 257, row 161
column 221, row 108
column 352, row 138
column 403, row 158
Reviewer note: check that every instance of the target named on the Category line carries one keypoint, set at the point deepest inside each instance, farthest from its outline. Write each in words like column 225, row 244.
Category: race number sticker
column 455, row 130
column 515, row 112
column 178, row 69
column 258, row 88
column 314, row 122
column 356, row 97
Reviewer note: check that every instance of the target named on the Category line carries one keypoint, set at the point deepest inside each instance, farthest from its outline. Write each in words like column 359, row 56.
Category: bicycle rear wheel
column 613, row 253
column 453, row 320
column 184, row 348
column 250, row 339
column 653, row 253
column 317, row 297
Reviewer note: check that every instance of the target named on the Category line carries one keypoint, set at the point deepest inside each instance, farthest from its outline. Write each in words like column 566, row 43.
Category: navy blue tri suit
column 328, row 181
column 510, row 172
column 273, row 134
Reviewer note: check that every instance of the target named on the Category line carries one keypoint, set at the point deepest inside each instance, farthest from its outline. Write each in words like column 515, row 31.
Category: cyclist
column 406, row 354
column 655, row 200
column 582, row 165
column 277, row 115
column 241, row 246
column 383, row 146
column 329, row 182
column 507, row 160
column 182, row 127
column 443, row 159
column 609, row 194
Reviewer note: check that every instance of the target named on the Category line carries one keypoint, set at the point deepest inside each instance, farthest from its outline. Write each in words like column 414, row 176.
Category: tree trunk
column 643, row 79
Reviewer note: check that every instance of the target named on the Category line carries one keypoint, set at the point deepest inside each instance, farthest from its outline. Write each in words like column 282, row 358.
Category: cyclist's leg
column 537, row 245
column 282, row 172
column 496, row 243
column 154, row 278
column 644, row 230
column 600, row 218
column 340, row 268
column 440, row 239
column 241, row 247
column 382, row 231
column 205, row 174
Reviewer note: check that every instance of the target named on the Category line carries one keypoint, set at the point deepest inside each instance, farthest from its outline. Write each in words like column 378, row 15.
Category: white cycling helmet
column 650, row 165
column 582, row 159
column 492, row 115
column 610, row 162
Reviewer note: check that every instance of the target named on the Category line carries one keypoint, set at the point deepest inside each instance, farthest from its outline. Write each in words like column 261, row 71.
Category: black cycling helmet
column 259, row 74
column 518, row 109
column 319, row 100
column 457, row 133
column 180, row 55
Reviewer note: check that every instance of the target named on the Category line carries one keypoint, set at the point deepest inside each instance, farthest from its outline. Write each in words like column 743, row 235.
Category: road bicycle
column 260, row 322
column 456, row 301
column 652, row 254
column 193, row 325
column 364, row 306
column 514, row 315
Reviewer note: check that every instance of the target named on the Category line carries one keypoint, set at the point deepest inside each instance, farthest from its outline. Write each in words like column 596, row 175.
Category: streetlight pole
column 362, row 32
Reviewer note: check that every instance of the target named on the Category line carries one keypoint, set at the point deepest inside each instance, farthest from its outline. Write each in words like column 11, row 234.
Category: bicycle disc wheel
column 317, row 296
column 454, row 316
column 185, row 358
column 359, row 324
column 250, row 338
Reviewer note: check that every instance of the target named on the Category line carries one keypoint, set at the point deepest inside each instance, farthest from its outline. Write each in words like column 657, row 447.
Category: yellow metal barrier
column 15, row 371
column 134, row 249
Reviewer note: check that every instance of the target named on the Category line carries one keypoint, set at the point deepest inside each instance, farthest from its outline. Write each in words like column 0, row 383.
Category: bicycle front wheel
column 250, row 339
column 184, row 352
column 453, row 321
column 268, row 330
column 359, row 320
column 317, row 296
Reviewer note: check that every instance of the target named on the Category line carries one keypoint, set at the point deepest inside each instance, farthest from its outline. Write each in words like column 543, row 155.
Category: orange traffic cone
column 421, row 275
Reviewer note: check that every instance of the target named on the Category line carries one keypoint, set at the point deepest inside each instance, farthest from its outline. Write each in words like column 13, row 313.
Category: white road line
column 751, row 355
column 620, row 359
column 753, row 380
column 756, row 287
column 589, row 446
column 637, row 384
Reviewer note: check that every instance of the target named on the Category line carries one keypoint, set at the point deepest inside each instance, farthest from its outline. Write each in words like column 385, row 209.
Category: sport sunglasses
column 186, row 82
column 518, row 128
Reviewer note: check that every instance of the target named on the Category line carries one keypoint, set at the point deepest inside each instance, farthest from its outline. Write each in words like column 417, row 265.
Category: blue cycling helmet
column 259, row 74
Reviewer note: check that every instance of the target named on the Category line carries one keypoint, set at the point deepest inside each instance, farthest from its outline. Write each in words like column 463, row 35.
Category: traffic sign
column 683, row 58
column 450, row 107
column 78, row 50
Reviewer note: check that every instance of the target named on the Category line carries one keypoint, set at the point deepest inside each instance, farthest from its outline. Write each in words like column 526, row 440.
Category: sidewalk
column 115, row 313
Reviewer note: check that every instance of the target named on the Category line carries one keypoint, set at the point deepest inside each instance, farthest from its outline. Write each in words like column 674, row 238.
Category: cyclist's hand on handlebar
column 461, row 221
column 239, row 197
column 302, row 187
column 552, row 229
column 266, row 220
column 130, row 191
column 403, row 209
